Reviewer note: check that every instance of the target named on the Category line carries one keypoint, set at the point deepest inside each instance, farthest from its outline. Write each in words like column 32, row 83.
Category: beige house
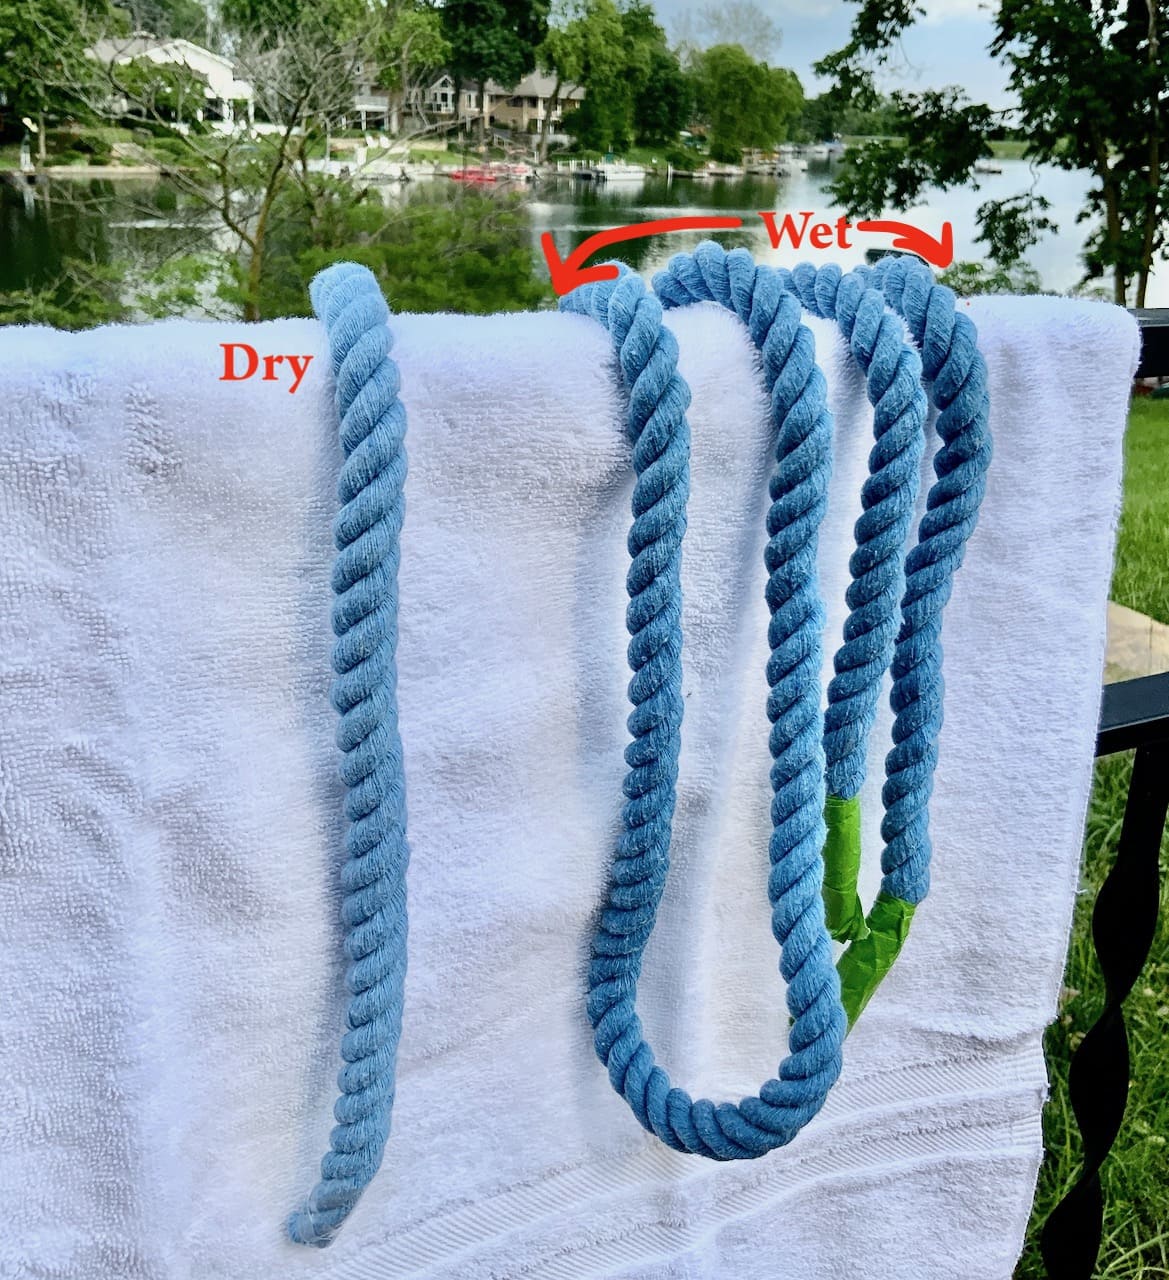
column 522, row 108
column 525, row 107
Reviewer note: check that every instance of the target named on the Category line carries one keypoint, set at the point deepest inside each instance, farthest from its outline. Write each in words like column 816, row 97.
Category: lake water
column 574, row 210
column 112, row 219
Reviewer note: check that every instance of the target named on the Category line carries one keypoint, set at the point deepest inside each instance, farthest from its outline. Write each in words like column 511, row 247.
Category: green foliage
column 1090, row 78
column 493, row 39
column 271, row 20
column 457, row 251
column 970, row 278
column 826, row 116
column 413, row 41
column 43, row 67
column 941, row 136
column 184, row 286
column 634, row 87
column 744, row 102
column 81, row 295
column 591, row 51
column 182, row 19
column 1136, row 1175
column 664, row 102
column 1141, row 576
column 1109, row 122
column 162, row 90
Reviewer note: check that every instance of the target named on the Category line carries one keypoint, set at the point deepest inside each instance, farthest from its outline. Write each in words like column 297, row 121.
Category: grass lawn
column 1136, row 1176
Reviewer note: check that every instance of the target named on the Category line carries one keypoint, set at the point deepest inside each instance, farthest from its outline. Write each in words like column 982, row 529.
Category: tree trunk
column 482, row 113
column 42, row 145
column 256, row 262
column 1113, row 234
column 546, row 125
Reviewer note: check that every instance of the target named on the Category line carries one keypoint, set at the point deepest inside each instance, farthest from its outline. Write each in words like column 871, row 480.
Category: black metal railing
column 1134, row 717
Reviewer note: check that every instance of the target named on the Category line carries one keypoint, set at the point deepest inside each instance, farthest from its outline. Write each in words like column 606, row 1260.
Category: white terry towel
column 170, row 814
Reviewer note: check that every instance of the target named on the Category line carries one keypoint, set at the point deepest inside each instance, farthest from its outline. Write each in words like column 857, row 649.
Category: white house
column 223, row 89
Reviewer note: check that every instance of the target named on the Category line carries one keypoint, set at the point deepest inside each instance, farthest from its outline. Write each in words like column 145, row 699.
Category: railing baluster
column 1124, row 924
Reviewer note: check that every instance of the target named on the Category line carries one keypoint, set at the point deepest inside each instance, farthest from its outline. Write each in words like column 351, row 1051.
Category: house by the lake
column 522, row 108
column 223, row 91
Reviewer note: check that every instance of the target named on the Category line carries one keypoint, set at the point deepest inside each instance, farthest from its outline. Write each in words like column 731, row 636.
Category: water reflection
column 572, row 214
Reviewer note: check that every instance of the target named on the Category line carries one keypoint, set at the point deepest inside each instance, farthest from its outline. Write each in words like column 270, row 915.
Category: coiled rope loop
column 647, row 354
column 365, row 620
column 873, row 640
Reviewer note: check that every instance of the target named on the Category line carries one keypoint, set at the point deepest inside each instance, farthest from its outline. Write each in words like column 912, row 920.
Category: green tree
column 270, row 22
column 411, row 45
column 745, row 103
column 493, row 40
column 1089, row 75
column 664, row 102
column 162, row 90
column 81, row 294
column 584, row 45
column 632, row 82
column 825, row 116
column 182, row 19
column 44, row 73
column 447, row 251
column 302, row 76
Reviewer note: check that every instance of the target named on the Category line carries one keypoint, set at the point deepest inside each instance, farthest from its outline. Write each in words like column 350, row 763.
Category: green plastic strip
column 865, row 963
column 842, row 864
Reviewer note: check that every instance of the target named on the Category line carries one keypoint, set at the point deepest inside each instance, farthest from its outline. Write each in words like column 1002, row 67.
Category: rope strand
column 658, row 398
column 367, row 530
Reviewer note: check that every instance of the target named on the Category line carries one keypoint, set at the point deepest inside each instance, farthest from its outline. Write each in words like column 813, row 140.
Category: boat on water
column 495, row 171
column 985, row 166
column 610, row 171
column 716, row 170
column 789, row 166
column 475, row 174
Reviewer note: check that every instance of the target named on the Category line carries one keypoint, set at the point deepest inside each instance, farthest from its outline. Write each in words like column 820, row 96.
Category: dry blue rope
column 367, row 532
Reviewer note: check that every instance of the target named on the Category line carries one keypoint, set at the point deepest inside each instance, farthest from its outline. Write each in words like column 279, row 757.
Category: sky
column 947, row 46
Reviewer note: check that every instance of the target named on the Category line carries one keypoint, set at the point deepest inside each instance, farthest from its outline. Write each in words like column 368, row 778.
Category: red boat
column 473, row 175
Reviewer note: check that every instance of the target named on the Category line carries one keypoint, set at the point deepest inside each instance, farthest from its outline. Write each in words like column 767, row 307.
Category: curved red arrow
column 938, row 252
column 569, row 272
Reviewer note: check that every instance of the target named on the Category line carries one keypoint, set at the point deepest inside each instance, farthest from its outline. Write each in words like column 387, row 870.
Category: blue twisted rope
column 893, row 372
column 956, row 376
column 872, row 640
column 367, row 530
column 658, row 398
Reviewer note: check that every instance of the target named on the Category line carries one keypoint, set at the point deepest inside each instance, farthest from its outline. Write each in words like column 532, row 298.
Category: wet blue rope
column 647, row 354
column 883, row 584
column 893, row 373
column 956, row 377
column 367, row 530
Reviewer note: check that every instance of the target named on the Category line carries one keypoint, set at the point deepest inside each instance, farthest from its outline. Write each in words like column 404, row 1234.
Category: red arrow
column 568, row 273
column 938, row 252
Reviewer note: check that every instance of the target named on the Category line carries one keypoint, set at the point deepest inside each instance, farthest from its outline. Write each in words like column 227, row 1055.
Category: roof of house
column 123, row 48
column 536, row 84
